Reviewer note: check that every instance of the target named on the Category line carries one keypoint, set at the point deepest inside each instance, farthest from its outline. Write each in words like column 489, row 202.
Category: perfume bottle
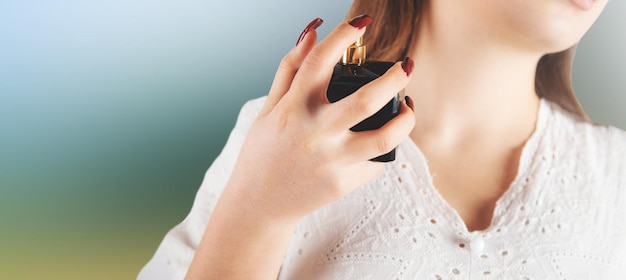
column 353, row 72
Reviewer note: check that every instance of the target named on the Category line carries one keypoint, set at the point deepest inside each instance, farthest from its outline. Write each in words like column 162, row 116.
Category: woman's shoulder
column 247, row 115
column 254, row 105
column 595, row 150
column 251, row 109
column 586, row 136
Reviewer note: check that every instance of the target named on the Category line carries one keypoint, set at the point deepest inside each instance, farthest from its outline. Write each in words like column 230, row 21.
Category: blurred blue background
column 111, row 111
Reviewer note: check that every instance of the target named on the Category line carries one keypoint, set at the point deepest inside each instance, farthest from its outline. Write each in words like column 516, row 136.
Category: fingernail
column 409, row 102
column 312, row 26
column 407, row 65
column 360, row 21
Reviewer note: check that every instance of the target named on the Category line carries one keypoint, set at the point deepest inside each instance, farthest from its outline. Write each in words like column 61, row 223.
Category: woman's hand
column 299, row 155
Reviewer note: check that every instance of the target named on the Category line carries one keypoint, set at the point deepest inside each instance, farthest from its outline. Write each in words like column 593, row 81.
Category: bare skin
column 475, row 107
column 475, row 102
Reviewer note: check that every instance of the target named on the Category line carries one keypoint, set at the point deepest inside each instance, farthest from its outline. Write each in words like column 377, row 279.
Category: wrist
column 247, row 203
column 237, row 237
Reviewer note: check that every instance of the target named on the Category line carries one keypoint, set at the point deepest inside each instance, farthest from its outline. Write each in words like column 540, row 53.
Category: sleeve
column 174, row 255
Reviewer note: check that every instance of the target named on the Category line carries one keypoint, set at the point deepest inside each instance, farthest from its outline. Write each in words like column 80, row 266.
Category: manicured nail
column 409, row 102
column 361, row 21
column 407, row 65
column 312, row 26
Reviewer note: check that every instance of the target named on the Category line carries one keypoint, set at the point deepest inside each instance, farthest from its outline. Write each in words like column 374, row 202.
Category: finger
column 369, row 144
column 317, row 67
column 290, row 64
column 370, row 98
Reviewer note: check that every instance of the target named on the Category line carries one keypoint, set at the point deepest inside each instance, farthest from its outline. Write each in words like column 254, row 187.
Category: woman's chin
column 585, row 5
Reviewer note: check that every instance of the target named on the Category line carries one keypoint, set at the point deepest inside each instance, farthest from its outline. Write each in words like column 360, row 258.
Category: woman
column 501, row 175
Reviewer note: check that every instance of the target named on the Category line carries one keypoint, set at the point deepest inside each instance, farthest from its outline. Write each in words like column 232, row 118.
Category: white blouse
column 563, row 217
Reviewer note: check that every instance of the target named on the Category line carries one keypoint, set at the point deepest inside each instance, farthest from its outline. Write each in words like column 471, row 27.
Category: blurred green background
column 111, row 112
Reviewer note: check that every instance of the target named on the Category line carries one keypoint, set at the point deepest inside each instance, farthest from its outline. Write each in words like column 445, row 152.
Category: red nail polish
column 409, row 102
column 312, row 25
column 407, row 65
column 360, row 21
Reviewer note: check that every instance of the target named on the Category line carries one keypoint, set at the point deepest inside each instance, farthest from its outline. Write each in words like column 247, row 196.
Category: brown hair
column 389, row 36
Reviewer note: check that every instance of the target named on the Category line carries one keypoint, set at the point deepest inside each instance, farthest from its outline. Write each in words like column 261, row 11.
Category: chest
column 473, row 176
column 400, row 227
column 472, row 186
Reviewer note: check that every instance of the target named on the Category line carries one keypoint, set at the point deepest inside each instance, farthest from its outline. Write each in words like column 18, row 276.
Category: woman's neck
column 466, row 87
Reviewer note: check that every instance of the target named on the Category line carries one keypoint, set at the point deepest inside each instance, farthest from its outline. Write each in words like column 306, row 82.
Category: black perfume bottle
column 353, row 72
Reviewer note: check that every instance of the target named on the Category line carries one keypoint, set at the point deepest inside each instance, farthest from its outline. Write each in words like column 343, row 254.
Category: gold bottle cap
column 355, row 54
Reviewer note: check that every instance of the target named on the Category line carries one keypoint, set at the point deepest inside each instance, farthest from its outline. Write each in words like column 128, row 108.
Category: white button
column 477, row 246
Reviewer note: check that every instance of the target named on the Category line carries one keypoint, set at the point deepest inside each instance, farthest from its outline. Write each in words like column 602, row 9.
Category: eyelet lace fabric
column 563, row 217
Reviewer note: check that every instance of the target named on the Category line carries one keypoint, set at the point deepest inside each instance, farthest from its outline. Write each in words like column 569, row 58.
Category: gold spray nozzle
column 355, row 54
